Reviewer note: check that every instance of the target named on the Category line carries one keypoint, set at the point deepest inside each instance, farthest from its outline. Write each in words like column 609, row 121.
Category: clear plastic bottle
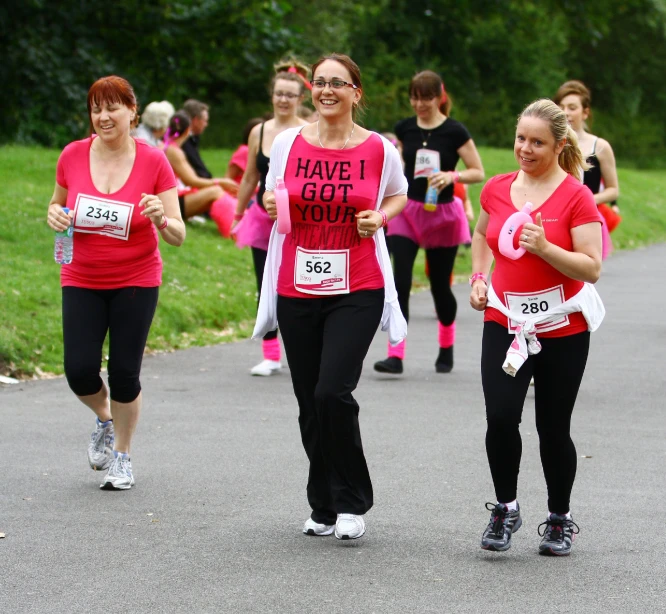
column 63, row 251
column 430, row 203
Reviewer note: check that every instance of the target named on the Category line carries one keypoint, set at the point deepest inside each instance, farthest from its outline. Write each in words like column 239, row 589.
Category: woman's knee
column 83, row 380
column 124, row 387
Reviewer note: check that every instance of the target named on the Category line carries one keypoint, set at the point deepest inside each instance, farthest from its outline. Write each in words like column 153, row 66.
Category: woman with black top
column 574, row 99
column 431, row 144
column 253, row 228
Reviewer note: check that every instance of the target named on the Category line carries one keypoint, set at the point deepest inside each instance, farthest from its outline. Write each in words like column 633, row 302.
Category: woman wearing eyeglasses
column 287, row 89
column 328, row 284
column 432, row 144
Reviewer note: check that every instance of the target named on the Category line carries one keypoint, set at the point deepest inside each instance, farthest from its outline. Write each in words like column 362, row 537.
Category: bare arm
column 251, row 176
column 165, row 205
column 482, row 260
column 611, row 190
column 473, row 172
column 582, row 264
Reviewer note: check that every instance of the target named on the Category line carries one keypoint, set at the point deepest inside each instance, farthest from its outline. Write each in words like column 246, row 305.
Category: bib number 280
column 534, row 308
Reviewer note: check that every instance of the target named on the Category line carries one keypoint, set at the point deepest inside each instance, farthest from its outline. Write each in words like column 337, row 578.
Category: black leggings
column 87, row 315
column 440, row 263
column 259, row 260
column 558, row 370
column 326, row 341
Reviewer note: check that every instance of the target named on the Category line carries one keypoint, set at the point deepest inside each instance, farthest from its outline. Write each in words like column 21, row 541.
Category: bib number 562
column 318, row 267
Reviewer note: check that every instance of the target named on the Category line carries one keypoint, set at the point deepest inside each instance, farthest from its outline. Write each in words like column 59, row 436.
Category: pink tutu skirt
column 254, row 229
column 445, row 227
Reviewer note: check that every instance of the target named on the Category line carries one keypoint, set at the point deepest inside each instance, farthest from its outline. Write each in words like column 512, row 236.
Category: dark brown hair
column 427, row 85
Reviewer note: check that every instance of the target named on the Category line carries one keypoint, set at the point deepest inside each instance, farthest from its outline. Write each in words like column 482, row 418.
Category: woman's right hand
column 57, row 219
column 269, row 205
column 478, row 298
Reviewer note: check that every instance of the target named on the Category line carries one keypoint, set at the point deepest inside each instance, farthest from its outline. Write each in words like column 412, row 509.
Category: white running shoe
column 314, row 528
column 266, row 368
column 119, row 476
column 349, row 526
column 100, row 448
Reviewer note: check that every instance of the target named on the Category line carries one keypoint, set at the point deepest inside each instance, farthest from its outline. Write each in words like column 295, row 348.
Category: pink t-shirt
column 530, row 283
column 327, row 188
column 114, row 245
column 239, row 158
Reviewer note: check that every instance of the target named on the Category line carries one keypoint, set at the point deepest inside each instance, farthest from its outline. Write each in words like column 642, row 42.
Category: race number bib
column 427, row 162
column 102, row 216
column 322, row 272
column 532, row 304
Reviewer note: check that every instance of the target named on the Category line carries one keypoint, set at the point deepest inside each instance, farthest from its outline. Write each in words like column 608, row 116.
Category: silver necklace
column 347, row 141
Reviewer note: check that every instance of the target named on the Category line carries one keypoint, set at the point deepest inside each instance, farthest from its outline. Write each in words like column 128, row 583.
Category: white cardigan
column 525, row 342
column 392, row 183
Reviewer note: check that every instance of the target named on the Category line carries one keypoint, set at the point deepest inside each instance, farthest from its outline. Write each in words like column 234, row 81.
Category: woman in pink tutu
column 252, row 226
column 431, row 144
column 574, row 99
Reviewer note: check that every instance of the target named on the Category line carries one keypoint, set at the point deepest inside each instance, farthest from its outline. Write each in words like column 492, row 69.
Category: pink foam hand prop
column 512, row 227
column 282, row 204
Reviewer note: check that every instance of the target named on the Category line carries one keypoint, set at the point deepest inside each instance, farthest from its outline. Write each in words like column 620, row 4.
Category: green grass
column 208, row 291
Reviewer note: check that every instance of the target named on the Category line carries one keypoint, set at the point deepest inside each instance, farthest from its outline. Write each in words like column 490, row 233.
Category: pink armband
column 456, row 176
column 165, row 223
column 384, row 218
column 481, row 276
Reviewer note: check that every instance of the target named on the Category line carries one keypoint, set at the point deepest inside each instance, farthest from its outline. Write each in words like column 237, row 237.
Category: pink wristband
column 481, row 276
column 456, row 176
column 164, row 224
column 238, row 217
column 384, row 218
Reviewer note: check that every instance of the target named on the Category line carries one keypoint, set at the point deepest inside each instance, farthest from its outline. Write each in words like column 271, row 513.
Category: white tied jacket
column 525, row 342
column 392, row 183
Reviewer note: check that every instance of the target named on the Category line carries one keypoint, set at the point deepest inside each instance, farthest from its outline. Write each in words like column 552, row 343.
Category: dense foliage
column 495, row 56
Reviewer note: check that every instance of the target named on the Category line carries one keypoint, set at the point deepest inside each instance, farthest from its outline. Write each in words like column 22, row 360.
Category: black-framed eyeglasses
column 334, row 84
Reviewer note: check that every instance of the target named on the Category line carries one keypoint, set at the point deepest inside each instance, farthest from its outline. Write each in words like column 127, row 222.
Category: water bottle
column 64, row 244
column 430, row 203
column 282, row 204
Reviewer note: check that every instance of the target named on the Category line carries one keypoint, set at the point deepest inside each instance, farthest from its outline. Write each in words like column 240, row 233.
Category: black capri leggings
column 558, row 371
column 259, row 260
column 440, row 262
column 87, row 315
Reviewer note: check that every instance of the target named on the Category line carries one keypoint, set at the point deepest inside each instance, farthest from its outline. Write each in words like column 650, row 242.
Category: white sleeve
column 279, row 155
column 396, row 180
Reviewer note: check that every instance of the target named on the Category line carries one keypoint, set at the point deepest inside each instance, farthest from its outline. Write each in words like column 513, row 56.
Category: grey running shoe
column 558, row 535
column 503, row 523
column 119, row 476
column 100, row 448
column 314, row 528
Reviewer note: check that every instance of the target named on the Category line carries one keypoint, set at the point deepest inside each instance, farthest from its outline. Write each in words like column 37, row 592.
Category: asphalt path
column 214, row 521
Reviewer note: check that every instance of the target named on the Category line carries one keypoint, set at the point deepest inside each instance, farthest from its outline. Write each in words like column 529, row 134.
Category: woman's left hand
column 153, row 208
column 368, row 223
column 533, row 238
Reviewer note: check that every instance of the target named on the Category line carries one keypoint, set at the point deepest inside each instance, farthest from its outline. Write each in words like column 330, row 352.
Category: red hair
column 112, row 89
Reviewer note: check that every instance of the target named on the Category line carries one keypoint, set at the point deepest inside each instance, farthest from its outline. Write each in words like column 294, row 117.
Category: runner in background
column 539, row 311
column 252, row 226
column 121, row 193
column 328, row 283
column 431, row 144
column 574, row 99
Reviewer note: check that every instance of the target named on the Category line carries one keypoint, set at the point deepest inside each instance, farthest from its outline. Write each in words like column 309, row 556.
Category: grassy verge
column 208, row 294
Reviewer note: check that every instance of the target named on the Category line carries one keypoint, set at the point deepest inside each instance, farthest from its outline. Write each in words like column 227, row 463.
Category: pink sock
column 397, row 351
column 271, row 349
column 447, row 335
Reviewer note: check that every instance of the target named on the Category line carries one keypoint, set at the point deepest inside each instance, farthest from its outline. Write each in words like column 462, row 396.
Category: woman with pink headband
column 252, row 226
column 431, row 144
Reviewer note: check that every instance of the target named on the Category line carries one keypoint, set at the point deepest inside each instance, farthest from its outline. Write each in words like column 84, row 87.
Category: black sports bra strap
column 261, row 137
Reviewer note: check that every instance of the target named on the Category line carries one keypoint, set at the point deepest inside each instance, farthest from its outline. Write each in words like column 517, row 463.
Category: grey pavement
column 214, row 521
